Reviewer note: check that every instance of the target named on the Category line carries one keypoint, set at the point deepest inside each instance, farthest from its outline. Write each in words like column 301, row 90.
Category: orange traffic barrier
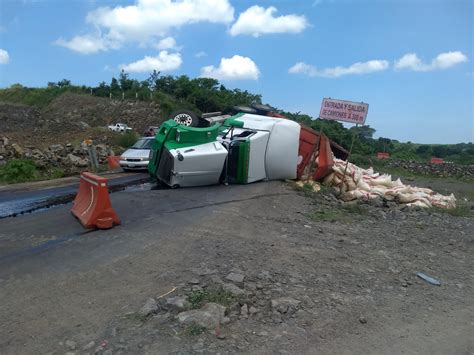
column 92, row 205
column 113, row 161
column 325, row 160
column 382, row 155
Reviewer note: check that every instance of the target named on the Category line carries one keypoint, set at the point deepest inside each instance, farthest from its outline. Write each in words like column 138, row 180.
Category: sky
column 411, row 60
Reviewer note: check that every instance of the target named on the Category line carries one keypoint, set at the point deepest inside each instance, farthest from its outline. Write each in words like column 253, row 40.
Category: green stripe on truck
column 243, row 163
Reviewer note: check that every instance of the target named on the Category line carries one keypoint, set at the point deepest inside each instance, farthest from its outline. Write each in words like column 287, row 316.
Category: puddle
column 29, row 205
column 140, row 187
column 42, row 200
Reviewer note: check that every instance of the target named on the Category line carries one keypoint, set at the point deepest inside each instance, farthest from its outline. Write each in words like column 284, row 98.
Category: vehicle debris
column 428, row 279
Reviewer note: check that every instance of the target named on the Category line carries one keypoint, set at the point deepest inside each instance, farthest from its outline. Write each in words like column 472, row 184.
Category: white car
column 119, row 127
column 137, row 156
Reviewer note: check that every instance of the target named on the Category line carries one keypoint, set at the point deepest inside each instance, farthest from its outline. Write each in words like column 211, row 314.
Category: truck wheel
column 262, row 109
column 244, row 109
column 185, row 118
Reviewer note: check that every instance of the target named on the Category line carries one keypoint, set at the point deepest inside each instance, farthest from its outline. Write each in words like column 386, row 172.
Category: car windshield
column 143, row 144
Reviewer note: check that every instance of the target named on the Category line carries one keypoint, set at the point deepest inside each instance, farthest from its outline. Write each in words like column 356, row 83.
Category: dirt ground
column 318, row 277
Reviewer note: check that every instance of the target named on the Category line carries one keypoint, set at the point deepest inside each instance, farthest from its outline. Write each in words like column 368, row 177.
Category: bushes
column 18, row 171
column 363, row 161
column 38, row 97
column 125, row 140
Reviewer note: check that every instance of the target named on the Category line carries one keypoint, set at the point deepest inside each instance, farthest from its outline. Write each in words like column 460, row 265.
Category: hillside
column 70, row 117
column 47, row 125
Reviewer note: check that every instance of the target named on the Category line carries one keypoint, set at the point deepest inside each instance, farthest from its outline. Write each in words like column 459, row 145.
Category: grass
column 52, row 173
column 136, row 317
column 381, row 166
column 23, row 170
column 125, row 140
column 194, row 329
column 308, row 188
column 198, row 298
column 342, row 214
column 18, row 170
column 461, row 210
column 38, row 97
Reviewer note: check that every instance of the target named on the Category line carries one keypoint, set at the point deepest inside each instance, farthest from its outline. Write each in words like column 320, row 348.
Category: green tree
column 114, row 86
column 126, row 84
column 64, row 83
column 103, row 90
column 152, row 80
column 363, row 132
column 424, row 150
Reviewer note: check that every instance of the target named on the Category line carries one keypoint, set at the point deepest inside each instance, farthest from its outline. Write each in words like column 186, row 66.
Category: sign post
column 348, row 157
column 88, row 144
column 345, row 111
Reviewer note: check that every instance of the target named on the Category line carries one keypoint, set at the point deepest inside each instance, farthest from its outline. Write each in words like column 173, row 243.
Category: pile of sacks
column 365, row 184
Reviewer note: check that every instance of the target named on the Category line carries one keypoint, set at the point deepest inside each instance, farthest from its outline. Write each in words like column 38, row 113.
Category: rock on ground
column 209, row 316
column 285, row 305
column 149, row 307
column 177, row 302
column 235, row 277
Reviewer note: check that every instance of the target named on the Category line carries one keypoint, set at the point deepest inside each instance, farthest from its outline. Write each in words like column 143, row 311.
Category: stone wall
column 441, row 170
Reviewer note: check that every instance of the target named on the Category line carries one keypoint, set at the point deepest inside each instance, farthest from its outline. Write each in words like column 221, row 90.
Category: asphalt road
column 14, row 201
column 51, row 240
column 59, row 281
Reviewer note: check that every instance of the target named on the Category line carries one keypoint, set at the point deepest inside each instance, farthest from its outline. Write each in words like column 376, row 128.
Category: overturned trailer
column 240, row 149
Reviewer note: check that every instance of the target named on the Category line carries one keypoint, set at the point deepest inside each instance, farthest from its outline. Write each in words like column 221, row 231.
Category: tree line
column 209, row 95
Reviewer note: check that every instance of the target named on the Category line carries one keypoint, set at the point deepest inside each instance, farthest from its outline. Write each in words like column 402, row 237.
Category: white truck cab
column 245, row 149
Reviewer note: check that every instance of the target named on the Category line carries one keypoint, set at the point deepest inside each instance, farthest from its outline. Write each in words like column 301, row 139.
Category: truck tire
column 244, row 109
column 185, row 118
column 262, row 109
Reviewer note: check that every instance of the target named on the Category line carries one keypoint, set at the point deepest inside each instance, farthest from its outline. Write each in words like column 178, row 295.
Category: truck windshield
column 143, row 144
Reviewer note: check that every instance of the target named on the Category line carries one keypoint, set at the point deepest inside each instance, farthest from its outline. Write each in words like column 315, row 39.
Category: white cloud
column 410, row 61
column 303, row 68
column 257, row 21
column 235, row 68
column 200, row 54
column 370, row 66
column 164, row 61
column 145, row 22
column 319, row 2
column 85, row 44
column 166, row 43
column 4, row 56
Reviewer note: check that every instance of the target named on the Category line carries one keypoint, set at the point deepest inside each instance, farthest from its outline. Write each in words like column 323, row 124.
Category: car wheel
column 185, row 118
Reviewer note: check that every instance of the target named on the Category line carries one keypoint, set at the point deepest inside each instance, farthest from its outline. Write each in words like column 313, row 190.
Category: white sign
column 341, row 110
